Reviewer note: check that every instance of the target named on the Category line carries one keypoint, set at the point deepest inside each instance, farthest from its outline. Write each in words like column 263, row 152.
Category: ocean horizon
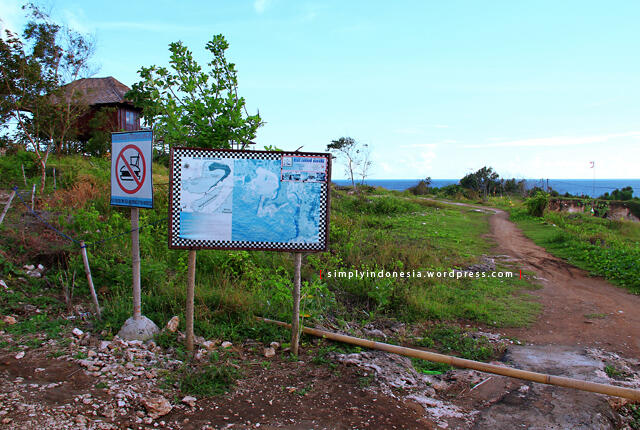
column 587, row 187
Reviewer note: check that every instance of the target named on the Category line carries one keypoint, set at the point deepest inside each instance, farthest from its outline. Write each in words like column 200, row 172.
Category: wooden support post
column 33, row 195
column 295, row 323
column 54, row 179
column 24, row 177
column 135, row 263
column 87, row 271
column 191, row 285
column 7, row 206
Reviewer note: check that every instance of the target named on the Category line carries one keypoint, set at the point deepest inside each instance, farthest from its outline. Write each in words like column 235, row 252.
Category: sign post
column 295, row 321
column 191, row 286
column 132, row 186
column 135, row 263
column 250, row 200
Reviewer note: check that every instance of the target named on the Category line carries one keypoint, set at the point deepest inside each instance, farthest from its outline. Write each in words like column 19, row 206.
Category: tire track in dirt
column 567, row 295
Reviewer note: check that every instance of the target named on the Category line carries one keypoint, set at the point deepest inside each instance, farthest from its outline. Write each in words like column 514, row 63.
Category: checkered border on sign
column 177, row 242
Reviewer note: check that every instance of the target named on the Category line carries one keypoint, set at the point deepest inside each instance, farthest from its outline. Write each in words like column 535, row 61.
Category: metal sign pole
column 132, row 186
column 135, row 262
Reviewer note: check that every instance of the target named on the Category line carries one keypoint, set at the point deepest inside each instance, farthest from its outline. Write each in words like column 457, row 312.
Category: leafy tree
column 100, row 126
column 422, row 187
column 485, row 180
column 33, row 71
column 356, row 157
column 624, row 194
column 512, row 186
column 191, row 107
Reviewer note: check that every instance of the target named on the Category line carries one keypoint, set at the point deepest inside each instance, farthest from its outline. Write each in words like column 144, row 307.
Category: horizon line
column 454, row 179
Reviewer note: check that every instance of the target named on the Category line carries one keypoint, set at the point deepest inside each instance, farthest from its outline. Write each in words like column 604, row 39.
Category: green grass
column 422, row 236
column 430, row 367
column 615, row 373
column 633, row 412
column 37, row 324
column 603, row 247
column 453, row 340
column 205, row 381
column 595, row 316
column 380, row 230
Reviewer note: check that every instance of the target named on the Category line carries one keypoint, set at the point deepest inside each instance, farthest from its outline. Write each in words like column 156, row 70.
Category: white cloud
column 149, row 26
column 77, row 20
column 428, row 145
column 385, row 167
column 410, row 130
column 421, row 162
column 420, row 145
column 557, row 140
column 260, row 5
column 418, row 130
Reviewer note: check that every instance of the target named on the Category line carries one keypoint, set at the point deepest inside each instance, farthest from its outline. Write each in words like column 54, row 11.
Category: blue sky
column 534, row 89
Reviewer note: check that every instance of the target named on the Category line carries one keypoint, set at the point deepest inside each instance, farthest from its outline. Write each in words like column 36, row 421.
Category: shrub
column 420, row 189
column 11, row 168
column 381, row 206
column 537, row 204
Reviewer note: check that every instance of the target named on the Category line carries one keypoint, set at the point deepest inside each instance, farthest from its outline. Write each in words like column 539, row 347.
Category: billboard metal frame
column 174, row 210
column 145, row 190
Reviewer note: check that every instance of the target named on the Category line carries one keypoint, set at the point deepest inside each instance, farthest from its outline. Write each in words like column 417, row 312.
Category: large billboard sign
column 265, row 200
column 131, row 179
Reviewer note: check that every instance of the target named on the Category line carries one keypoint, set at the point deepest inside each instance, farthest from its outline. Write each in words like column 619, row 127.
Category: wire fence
column 81, row 243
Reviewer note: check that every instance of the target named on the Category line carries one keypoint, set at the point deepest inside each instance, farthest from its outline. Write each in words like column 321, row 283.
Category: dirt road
column 578, row 309
column 579, row 312
column 569, row 295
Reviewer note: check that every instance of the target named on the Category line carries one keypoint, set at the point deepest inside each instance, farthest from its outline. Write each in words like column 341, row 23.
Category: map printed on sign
column 229, row 199
column 131, row 162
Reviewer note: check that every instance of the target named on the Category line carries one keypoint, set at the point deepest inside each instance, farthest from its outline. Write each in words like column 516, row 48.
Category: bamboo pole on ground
column 87, row 271
column 191, row 284
column 7, row 206
column 541, row 378
column 295, row 322
column 135, row 263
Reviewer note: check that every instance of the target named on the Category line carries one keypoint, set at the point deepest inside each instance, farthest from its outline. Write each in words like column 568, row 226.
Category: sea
column 576, row 187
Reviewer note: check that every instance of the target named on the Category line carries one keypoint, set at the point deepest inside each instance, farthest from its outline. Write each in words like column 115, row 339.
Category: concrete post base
column 141, row 329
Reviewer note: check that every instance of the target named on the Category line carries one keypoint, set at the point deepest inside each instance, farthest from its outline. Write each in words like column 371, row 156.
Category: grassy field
column 378, row 231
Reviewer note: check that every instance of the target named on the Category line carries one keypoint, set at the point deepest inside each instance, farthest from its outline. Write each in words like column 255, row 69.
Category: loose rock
column 157, row 406
column 172, row 325
column 189, row 400
column 209, row 344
